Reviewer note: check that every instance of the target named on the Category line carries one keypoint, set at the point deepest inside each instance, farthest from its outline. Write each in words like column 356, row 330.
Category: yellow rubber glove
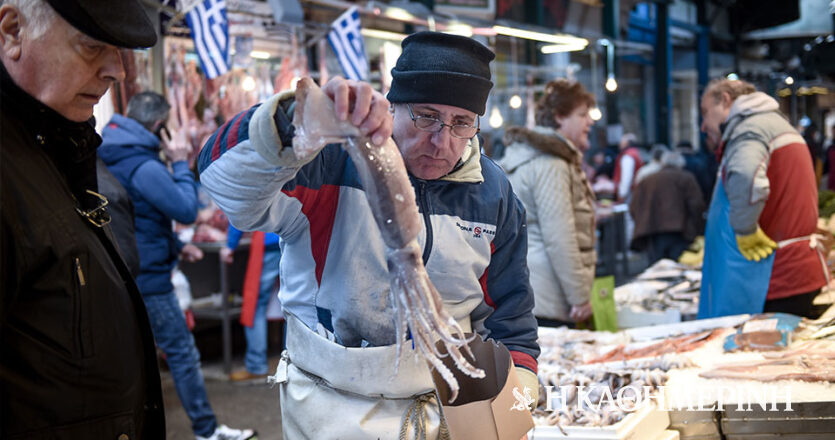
column 695, row 254
column 698, row 244
column 755, row 246
column 691, row 258
column 527, row 379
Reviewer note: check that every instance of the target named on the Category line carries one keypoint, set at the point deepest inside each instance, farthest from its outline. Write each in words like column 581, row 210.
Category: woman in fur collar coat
column 544, row 167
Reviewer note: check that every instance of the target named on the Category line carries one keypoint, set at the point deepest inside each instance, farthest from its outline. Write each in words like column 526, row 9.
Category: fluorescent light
column 382, row 35
column 459, row 29
column 260, row 54
column 399, row 14
column 557, row 48
column 539, row 36
column 595, row 114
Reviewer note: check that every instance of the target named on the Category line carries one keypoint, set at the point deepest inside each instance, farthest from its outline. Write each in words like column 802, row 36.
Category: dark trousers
column 799, row 305
column 666, row 245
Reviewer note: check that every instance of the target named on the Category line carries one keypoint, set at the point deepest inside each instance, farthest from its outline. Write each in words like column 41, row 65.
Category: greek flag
column 210, row 31
column 346, row 41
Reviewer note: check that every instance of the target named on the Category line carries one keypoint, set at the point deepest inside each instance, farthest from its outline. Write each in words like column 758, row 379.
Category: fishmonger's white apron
column 328, row 391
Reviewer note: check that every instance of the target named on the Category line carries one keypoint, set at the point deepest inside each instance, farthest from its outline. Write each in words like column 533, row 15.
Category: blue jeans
column 176, row 341
column 255, row 359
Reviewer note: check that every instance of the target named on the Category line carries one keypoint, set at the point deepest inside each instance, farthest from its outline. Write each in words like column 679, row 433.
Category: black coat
column 77, row 356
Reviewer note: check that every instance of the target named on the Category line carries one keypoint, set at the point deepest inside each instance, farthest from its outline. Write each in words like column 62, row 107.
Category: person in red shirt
column 761, row 251
column 626, row 166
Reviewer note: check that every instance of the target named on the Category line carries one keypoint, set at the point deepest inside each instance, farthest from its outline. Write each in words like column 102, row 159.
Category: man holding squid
column 338, row 376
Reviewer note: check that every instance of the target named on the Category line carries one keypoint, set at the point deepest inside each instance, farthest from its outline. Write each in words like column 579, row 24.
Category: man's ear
column 727, row 102
column 11, row 32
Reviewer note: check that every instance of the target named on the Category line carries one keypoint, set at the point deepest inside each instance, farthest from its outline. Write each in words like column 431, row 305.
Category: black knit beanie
column 438, row 68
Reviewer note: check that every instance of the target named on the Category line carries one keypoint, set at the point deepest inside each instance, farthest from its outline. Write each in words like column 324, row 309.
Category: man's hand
column 227, row 255
column 191, row 253
column 176, row 147
column 756, row 246
column 365, row 107
column 580, row 312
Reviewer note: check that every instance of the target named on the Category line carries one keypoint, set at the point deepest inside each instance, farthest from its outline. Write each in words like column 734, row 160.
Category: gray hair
column 148, row 108
column 733, row 87
column 658, row 151
column 629, row 138
column 672, row 159
column 37, row 15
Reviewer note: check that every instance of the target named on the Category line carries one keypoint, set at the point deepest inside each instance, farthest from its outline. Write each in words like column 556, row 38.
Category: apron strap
column 815, row 242
column 416, row 416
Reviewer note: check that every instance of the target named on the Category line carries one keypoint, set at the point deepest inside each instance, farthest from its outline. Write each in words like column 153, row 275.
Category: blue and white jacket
column 333, row 269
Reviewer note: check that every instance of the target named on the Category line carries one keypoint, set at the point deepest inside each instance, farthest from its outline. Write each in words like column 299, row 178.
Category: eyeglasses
column 435, row 125
column 98, row 216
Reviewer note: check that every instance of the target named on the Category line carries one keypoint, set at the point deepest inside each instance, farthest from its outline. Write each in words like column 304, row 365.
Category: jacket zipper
column 80, row 273
column 424, row 207
column 79, row 305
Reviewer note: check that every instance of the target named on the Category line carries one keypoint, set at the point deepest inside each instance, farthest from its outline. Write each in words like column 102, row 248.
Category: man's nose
column 442, row 139
column 112, row 68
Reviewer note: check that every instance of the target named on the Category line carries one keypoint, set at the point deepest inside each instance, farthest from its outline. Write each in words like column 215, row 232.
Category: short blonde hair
column 733, row 87
column 37, row 15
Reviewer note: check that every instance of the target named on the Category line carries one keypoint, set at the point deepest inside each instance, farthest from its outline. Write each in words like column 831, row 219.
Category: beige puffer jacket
column 544, row 169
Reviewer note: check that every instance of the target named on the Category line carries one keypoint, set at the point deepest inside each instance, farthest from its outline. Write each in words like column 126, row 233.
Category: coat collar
column 545, row 140
column 63, row 140
column 468, row 169
column 71, row 146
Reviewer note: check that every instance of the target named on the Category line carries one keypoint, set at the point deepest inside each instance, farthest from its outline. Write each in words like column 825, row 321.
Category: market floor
column 239, row 405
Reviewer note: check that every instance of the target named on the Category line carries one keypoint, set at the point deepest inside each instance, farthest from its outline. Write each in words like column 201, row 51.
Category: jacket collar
column 63, row 140
column 744, row 107
column 544, row 140
column 468, row 169
column 71, row 146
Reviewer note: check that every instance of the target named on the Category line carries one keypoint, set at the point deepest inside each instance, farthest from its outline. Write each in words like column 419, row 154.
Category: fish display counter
column 724, row 378
column 666, row 292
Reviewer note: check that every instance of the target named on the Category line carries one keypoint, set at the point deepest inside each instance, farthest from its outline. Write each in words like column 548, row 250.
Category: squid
column 418, row 305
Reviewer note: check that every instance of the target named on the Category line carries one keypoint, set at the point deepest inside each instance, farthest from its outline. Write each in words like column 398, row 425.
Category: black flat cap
column 122, row 23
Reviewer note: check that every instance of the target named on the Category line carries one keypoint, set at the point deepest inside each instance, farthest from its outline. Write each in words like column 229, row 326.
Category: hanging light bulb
column 789, row 80
column 496, row 119
column 595, row 114
column 611, row 83
column 515, row 101
column 248, row 84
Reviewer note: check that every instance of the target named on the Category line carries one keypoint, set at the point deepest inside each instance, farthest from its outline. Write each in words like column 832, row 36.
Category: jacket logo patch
column 477, row 231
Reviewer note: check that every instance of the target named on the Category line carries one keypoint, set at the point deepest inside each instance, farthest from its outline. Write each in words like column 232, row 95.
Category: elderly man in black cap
column 77, row 357
column 338, row 376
